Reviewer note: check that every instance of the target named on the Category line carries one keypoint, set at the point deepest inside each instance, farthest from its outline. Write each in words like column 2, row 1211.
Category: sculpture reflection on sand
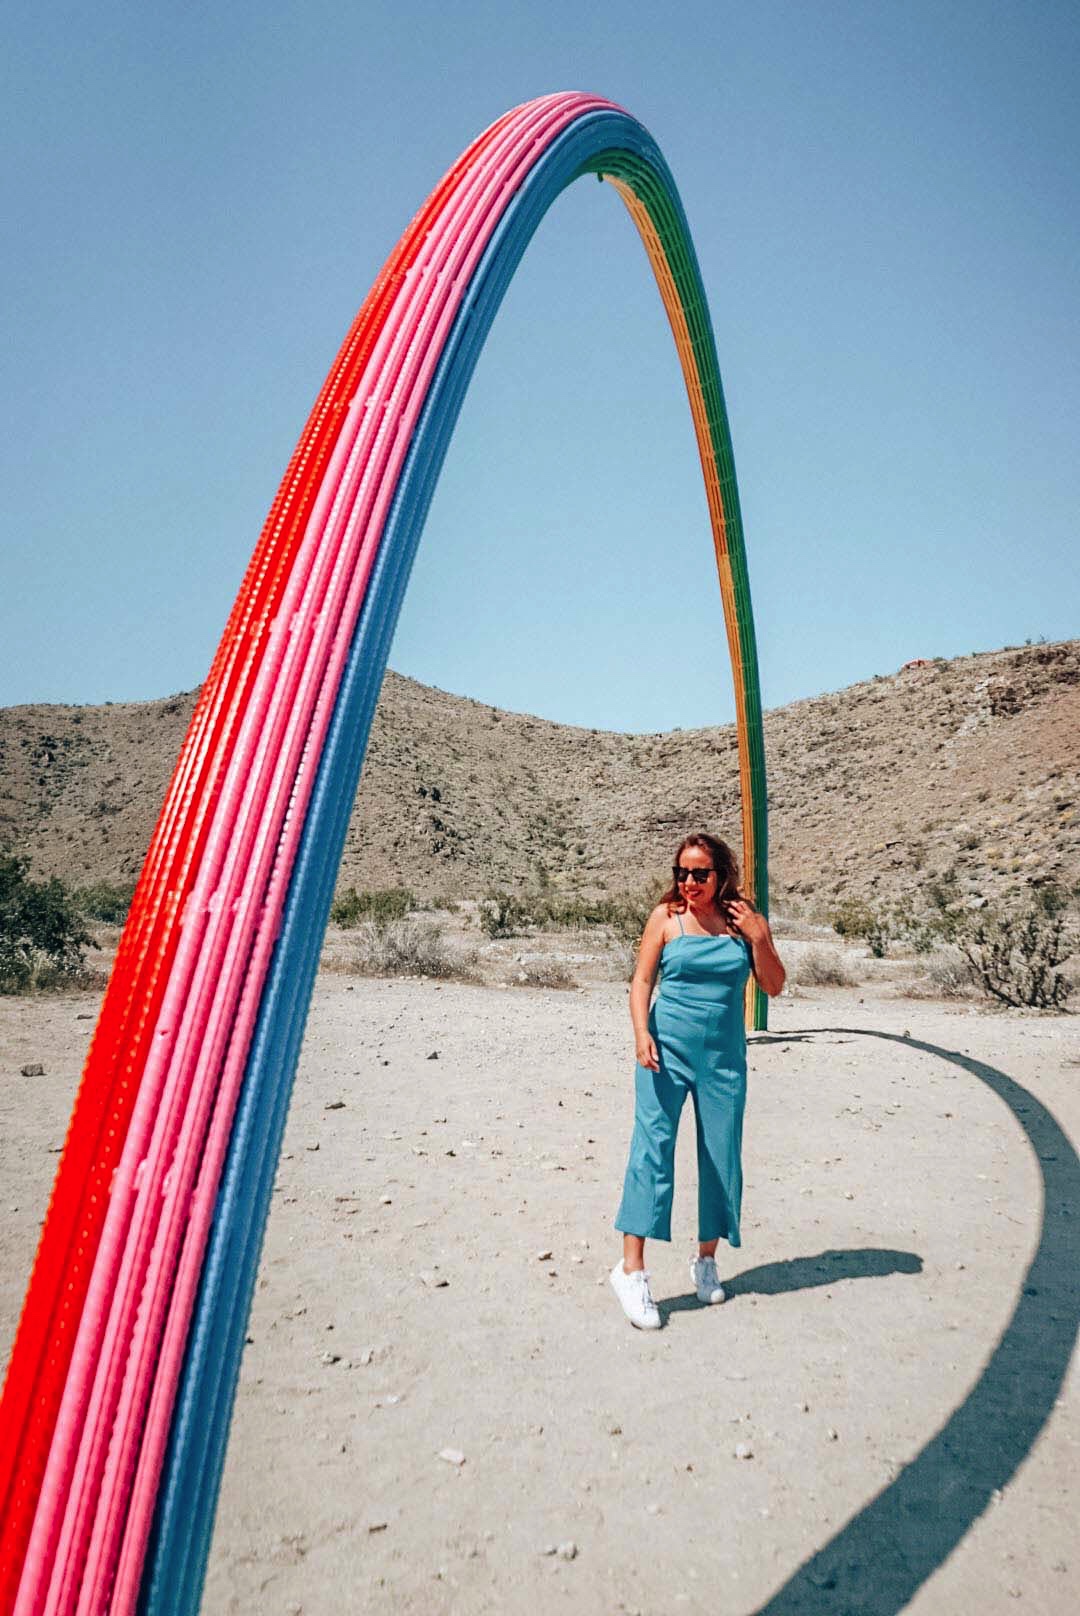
column 119, row 1392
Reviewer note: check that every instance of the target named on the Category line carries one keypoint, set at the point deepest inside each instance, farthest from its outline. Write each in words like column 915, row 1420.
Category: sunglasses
column 701, row 876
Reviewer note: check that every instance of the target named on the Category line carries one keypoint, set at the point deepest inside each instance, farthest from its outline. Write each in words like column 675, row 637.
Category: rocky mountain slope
column 972, row 763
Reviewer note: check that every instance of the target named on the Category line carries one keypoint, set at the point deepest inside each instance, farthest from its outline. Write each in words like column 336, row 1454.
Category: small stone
column 833, row 1434
column 386, row 1200
column 567, row 1550
column 249, row 1341
column 331, row 1357
column 377, row 1526
column 743, row 1450
column 550, row 1548
column 434, row 1055
column 543, row 1256
column 334, row 1105
column 804, row 1408
column 33, row 1069
column 452, row 1456
column 313, row 1146
column 614, row 1430
column 848, row 1195
column 822, row 1578
column 366, row 1356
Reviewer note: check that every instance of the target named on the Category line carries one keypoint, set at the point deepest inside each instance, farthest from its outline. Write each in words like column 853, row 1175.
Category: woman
column 706, row 939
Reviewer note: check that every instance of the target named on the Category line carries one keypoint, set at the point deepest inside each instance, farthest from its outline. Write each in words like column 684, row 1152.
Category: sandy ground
column 895, row 1351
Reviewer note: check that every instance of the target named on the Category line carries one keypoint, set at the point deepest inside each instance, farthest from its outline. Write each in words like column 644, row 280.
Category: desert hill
column 971, row 763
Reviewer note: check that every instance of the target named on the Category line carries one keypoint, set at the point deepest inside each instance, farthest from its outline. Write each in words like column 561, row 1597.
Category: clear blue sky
column 885, row 199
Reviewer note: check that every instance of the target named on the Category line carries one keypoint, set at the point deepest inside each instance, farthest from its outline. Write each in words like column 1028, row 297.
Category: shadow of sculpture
column 877, row 1562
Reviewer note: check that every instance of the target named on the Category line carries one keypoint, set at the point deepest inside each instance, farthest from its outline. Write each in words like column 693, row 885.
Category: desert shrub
column 105, row 901
column 1015, row 955
column 405, row 947
column 40, row 928
column 875, row 924
column 625, row 915
column 542, row 974
column 944, row 910
column 85, row 979
column 946, row 975
column 501, row 915
column 350, row 907
column 823, row 968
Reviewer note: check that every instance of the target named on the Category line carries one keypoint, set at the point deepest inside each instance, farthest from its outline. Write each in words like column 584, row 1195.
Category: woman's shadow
column 876, row 1563
column 803, row 1273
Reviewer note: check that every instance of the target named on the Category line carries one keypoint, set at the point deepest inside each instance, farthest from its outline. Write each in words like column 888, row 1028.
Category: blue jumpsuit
column 697, row 1024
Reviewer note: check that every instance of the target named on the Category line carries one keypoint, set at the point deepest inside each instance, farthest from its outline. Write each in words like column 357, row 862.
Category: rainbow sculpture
column 119, row 1392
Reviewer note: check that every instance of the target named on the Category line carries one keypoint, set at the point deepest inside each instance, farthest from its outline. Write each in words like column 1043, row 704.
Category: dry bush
column 1016, row 956
column 42, row 935
column 542, row 974
column 823, row 968
column 946, row 975
column 500, row 914
column 874, row 922
column 50, row 979
column 407, row 947
column 350, row 907
column 624, row 915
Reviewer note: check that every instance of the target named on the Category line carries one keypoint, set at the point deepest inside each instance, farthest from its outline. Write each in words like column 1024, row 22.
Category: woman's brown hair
column 724, row 863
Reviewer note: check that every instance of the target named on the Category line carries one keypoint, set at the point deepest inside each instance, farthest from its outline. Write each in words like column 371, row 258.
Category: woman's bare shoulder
column 659, row 921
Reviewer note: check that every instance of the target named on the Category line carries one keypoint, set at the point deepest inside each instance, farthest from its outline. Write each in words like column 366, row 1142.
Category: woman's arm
column 641, row 986
column 768, row 967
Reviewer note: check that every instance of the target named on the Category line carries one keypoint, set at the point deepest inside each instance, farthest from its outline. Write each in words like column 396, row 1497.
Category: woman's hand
column 647, row 1056
column 768, row 966
column 747, row 921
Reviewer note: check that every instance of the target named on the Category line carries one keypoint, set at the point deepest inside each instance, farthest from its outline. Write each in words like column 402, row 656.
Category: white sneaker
column 633, row 1292
column 705, row 1280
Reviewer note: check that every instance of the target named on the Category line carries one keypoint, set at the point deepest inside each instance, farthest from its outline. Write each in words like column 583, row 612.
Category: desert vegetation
column 43, row 937
column 1014, row 952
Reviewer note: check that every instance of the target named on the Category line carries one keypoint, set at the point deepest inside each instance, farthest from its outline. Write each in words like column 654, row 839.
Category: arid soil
column 894, row 1353
column 971, row 763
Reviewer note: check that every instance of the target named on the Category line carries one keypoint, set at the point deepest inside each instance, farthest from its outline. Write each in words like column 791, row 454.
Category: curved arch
column 185, row 1092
